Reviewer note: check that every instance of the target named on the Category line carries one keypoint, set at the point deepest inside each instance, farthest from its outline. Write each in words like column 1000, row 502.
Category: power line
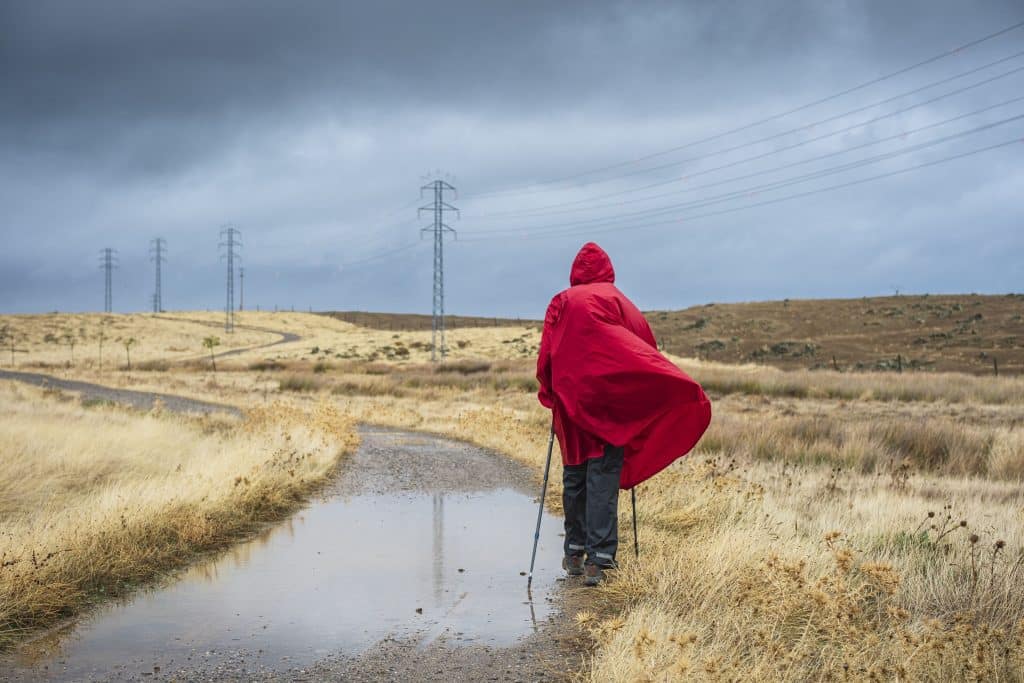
column 570, row 229
column 230, row 236
column 793, row 180
column 108, row 263
column 157, row 246
column 541, row 210
column 841, row 168
column 796, row 129
column 375, row 236
column 402, row 209
column 773, row 117
column 379, row 235
column 439, row 229
column 776, row 200
column 378, row 256
column 870, row 143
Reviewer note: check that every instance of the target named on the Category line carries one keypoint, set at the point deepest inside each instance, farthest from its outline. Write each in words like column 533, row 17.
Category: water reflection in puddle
column 337, row 577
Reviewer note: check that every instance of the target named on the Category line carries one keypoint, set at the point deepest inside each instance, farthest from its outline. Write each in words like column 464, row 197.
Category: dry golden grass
column 886, row 446
column 328, row 341
column 948, row 387
column 96, row 339
column 176, row 337
column 96, row 500
column 771, row 573
column 795, row 544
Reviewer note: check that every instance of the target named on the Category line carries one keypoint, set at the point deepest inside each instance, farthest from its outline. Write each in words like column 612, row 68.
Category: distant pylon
column 157, row 247
column 241, row 289
column 108, row 262
column 230, row 236
column 438, row 229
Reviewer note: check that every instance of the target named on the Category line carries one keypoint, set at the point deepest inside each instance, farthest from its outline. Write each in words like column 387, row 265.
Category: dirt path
column 426, row 647
column 286, row 337
column 141, row 400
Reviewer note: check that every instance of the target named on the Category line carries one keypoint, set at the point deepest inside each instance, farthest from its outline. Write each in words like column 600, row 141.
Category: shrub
column 266, row 366
column 465, row 367
column 299, row 383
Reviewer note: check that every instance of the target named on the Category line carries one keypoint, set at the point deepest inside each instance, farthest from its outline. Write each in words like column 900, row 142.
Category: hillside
column 948, row 332
column 961, row 332
column 966, row 333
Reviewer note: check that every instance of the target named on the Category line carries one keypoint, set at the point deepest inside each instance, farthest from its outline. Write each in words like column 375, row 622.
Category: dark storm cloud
column 311, row 124
column 84, row 78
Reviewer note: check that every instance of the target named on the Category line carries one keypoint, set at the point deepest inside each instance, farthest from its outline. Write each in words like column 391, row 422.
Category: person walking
column 622, row 412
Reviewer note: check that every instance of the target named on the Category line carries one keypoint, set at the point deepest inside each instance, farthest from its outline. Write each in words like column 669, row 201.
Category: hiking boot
column 592, row 575
column 573, row 565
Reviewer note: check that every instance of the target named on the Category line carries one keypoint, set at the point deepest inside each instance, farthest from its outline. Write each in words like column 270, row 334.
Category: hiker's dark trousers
column 591, row 502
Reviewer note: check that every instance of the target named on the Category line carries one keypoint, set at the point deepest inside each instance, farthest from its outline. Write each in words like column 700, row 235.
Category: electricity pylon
column 439, row 228
column 157, row 247
column 108, row 263
column 230, row 236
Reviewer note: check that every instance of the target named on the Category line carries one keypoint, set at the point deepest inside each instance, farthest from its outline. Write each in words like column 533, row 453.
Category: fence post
column 995, row 366
column 835, row 365
column 899, row 362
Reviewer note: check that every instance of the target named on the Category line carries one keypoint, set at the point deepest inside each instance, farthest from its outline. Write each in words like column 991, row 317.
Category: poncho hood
column 591, row 265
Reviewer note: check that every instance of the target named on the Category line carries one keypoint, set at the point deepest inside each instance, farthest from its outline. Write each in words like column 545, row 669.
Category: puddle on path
column 337, row 577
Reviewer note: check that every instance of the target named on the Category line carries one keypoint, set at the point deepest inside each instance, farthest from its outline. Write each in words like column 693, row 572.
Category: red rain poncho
column 601, row 374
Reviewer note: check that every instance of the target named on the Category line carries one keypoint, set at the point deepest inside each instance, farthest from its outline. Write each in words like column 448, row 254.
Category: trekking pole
column 540, row 510
column 636, row 538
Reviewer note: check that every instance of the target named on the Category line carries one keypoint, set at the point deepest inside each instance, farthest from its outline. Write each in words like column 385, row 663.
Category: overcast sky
column 311, row 126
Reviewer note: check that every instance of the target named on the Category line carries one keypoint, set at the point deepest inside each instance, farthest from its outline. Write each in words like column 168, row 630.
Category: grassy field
column 96, row 340
column 831, row 525
column 95, row 500
column 92, row 341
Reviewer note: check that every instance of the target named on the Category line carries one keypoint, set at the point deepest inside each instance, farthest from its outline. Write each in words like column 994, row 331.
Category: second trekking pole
column 540, row 510
column 636, row 538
